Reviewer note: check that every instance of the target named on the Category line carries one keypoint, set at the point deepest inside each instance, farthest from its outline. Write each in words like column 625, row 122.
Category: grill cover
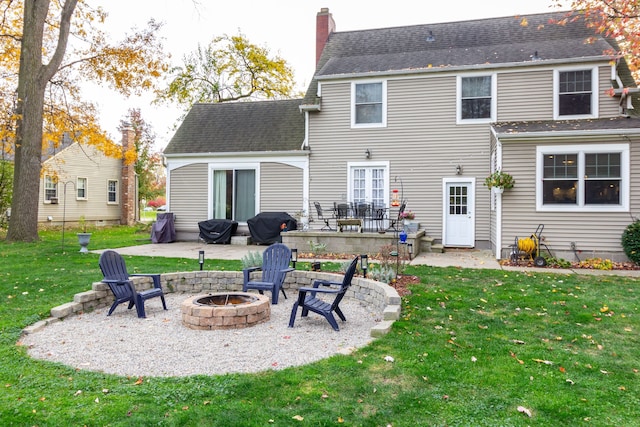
column 163, row 230
column 217, row 230
column 265, row 227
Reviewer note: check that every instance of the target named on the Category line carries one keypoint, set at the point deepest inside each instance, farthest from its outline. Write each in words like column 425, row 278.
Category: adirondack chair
column 116, row 276
column 312, row 303
column 275, row 266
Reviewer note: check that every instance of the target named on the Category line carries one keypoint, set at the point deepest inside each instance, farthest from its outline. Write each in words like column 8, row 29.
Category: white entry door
column 459, row 218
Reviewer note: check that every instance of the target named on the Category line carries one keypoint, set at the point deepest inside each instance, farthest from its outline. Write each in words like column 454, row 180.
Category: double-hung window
column 81, row 188
column 576, row 93
column 234, row 194
column 369, row 107
column 112, row 191
column 583, row 178
column 476, row 98
column 50, row 188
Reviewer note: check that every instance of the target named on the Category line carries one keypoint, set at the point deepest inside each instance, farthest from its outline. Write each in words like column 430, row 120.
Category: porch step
column 427, row 245
column 241, row 240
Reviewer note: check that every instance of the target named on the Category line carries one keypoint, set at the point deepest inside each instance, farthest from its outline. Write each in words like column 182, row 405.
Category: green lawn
column 472, row 348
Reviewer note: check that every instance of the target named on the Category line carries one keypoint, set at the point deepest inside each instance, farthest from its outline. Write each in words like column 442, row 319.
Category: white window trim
column 370, row 165
column 494, row 99
column 86, row 188
column 117, row 192
column 239, row 165
column 581, row 150
column 594, row 94
column 44, row 188
column 353, row 105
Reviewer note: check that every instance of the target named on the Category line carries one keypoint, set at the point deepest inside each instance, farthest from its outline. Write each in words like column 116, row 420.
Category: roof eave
column 236, row 154
column 567, row 134
column 537, row 63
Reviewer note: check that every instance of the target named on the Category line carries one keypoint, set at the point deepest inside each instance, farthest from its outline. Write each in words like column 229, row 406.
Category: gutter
column 236, row 154
column 567, row 134
column 474, row 67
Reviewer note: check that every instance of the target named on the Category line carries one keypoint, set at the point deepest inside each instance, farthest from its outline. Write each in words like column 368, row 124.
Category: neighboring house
column 434, row 109
column 80, row 181
column 235, row 160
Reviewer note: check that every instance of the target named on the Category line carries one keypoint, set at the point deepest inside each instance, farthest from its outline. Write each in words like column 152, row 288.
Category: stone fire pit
column 225, row 310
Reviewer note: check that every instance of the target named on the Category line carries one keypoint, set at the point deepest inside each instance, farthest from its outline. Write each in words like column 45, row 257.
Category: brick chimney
column 325, row 25
column 128, row 185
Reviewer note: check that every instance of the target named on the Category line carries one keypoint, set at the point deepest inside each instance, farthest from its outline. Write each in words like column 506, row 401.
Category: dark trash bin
column 266, row 226
column 164, row 229
column 217, row 230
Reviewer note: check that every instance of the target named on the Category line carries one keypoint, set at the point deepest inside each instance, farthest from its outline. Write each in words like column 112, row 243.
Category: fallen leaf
column 524, row 410
column 185, row 408
column 389, row 358
column 77, row 393
column 97, row 400
column 139, row 381
column 340, row 420
column 546, row 362
column 298, row 417
column 324, row 395
column 561, row 369
column 473, row 359
column 570, row 381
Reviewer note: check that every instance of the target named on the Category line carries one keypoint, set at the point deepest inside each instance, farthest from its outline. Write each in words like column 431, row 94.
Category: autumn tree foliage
column 41, row 72
column 147, row 161
column 230, row 68
column 618, row 19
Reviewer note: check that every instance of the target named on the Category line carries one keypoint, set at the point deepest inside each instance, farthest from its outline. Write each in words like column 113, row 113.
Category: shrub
column 631, row 241
column 252, row 259
column 381, row 273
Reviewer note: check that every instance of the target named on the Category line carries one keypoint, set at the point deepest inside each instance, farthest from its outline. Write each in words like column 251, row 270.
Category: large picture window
column 576, row 93
column 369, row 104
column 583, row 177
column 234, row 194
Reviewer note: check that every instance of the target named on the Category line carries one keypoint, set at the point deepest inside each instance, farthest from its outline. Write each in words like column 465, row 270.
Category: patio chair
column 324, row 308
column 115, row 274
column 275, row 266
column 323, row 217
column 398, row 219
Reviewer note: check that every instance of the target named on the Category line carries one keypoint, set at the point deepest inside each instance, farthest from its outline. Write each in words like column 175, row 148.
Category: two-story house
column 433, row 109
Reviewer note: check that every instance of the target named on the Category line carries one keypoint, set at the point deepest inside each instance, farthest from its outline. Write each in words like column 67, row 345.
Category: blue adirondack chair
column 115, row 274
column 275, row 266
column 312, row 303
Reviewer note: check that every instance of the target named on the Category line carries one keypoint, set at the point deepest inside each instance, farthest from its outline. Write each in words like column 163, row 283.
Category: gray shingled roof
column 240, row 127
column 618, row 124
column 491, row 41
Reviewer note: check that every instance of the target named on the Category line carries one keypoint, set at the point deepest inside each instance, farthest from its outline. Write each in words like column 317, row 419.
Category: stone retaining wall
column 378, row 297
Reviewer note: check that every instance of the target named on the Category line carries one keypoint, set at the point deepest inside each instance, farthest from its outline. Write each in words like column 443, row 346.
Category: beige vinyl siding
column 421, row 142
column 609, row 105
column 280, row 188
column 590, row 231
column 188, row 196
column 517, row 99
column 75, row 162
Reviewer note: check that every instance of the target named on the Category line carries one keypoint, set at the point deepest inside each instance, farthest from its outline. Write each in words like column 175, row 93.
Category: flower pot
column 83, row 239
column 411, row 226
column 498, row 190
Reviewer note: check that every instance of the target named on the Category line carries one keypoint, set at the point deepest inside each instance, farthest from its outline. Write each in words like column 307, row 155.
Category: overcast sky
column 285, row 27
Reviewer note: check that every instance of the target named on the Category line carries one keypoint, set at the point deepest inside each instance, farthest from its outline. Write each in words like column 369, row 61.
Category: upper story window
column 369, row 104
column 81, row 188
column 112, row 191
column 583, row 178
column 476, row 98
column 576, row 93
column 50, row 188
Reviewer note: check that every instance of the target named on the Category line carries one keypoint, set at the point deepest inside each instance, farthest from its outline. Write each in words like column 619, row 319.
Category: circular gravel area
column 161, row 346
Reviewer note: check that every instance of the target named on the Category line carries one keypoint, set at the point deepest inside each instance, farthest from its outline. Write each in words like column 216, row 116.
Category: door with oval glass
column 458, row 228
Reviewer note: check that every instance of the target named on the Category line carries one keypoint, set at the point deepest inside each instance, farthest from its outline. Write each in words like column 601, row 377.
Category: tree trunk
column 32, row 81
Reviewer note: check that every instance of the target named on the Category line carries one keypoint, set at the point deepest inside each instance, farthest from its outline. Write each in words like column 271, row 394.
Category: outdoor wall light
column 367, row 153
column 458, row 170
column 294, row 257
column 201, row 259
column 364, row 263
column 410, row 250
